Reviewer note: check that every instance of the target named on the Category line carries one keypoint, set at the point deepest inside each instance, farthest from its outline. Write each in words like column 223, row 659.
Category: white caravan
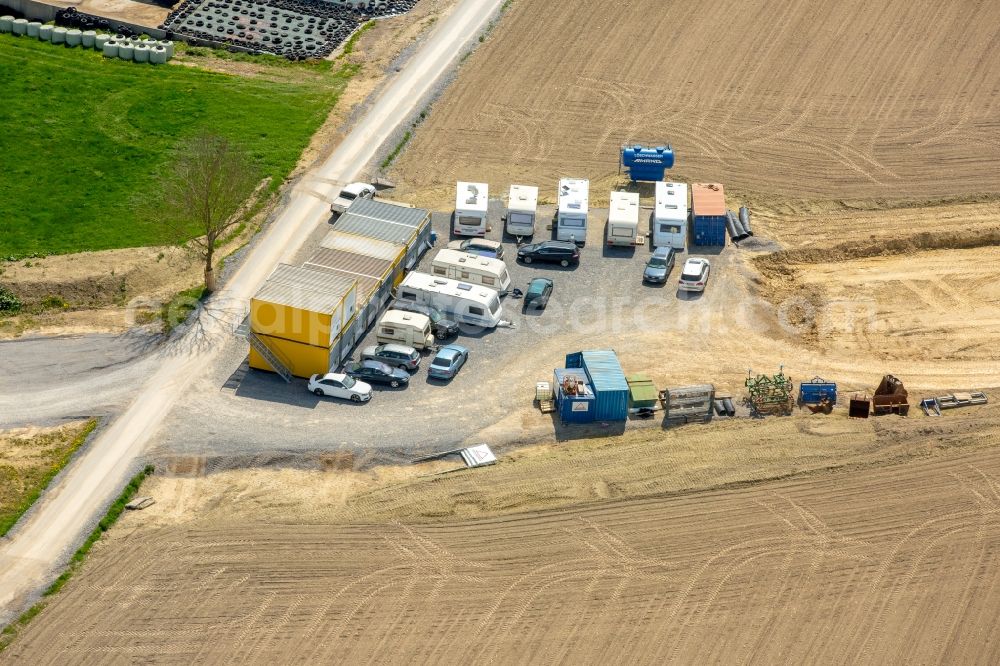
column 521, row 209
column 623, row 218
column 471, row 203
column 465, row 303
column 472, row 268
column 405, row 328
column 670, row 216
column 574, row 202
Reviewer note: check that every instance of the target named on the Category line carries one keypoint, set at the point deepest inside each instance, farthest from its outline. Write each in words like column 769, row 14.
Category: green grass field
column 84, row 138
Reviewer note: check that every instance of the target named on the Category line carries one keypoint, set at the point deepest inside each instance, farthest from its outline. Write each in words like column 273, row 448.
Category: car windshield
column 657, row 262
column 348, row 195
column 441, row 361
column 536, row 288
column 348, row 382
column 434, row 316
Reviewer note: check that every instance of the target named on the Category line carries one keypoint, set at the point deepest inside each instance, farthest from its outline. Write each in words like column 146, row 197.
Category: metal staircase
column 269, row 356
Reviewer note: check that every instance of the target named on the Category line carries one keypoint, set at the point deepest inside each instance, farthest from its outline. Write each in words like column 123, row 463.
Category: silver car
column 393, row 355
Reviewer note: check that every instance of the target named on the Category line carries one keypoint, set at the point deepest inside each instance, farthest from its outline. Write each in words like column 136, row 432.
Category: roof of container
column 369, row 247
column 642, row 388
column 382, row 221
column 604, row 370
column 671, row 201
column 471, row 196
column 368, row 271
column 459, row 258
column 405, row 317
column 574, row 195
column 624, row 207
column 305, row 289
column 708, row 199
column 523, row 197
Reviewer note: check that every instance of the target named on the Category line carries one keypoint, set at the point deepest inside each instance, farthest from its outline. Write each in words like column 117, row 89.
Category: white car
column 694, row 275
column 338, row 385
column 349, row 194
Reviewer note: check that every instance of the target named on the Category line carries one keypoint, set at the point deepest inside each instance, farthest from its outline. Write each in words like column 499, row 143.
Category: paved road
column 40, row 544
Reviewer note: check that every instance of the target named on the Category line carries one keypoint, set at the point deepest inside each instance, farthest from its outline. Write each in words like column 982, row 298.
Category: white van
column 472, row 268
column 522, row 206
column 463, row 302
column 406, row 328
column 574, row 203
column 471, row 203
column 623, row 218
column 670, row 216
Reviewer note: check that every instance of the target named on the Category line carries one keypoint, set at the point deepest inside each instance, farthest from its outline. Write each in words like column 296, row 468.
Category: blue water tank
column 647, row 164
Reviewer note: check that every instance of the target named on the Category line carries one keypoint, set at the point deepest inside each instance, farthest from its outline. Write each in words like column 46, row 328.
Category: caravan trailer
column 574, row 202
column 623, row 219
column 670, row 217
column 471, row 203
column 472, row 268
column 521, row 209
column 466, row 303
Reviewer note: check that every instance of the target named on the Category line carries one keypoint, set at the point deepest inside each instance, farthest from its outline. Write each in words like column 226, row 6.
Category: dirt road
column 30, row 557
column 897, row 564
column 823, row 99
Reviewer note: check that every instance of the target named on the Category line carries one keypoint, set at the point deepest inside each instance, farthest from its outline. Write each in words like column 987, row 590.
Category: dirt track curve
column 898, row 564
column 819, row 99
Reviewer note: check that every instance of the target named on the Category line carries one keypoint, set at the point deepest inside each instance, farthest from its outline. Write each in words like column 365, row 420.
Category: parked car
column 338, row 385
column 659, row 265
column 448, row 361
column 481, row 246
column 563, row 253
column 444, row 328
column 377, row 372
column 396, row 356
column 694, row 275
column 538, row 293
column 349, row 194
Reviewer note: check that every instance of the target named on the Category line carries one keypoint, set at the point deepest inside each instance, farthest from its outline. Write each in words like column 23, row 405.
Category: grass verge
column 391, row 157
column 10, row 632
column 25, row 478
column 80, row 174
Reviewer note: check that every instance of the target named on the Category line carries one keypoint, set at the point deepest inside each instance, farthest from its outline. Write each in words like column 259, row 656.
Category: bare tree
column 206, row 191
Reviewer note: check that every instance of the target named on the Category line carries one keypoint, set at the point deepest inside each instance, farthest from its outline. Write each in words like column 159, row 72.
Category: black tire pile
column 70, row 18
column 295, row 29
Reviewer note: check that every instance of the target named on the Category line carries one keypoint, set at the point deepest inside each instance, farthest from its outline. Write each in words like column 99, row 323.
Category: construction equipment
column 818, row 395
column 933, row 406
column 890, row 397
column 770, row 394
column 688, row 403
column 860, row 406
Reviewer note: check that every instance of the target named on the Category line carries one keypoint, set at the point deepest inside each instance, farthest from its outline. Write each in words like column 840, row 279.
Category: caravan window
column 479, row 312
column 488, row 280
column 388, row 331
column 505, row 276
column 520, row 218
column 670, row 229
column 571, row 222
column 622, row 232
column 408, row 295
column 494, row 305
column 439, row 271
column 465, row 275
column 470, row 221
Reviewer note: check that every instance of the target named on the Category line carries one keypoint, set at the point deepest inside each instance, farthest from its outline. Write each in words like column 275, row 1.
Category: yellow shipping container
column 301, row 360
column 303, row 305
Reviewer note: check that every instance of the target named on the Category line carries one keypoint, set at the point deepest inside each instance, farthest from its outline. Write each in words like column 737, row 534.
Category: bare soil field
column 871, row 563
column 822, row 100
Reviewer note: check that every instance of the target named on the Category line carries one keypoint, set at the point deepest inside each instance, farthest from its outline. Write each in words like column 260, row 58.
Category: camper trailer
column 670, row 215
column 521, row 209
column 472, row 268
column 469, row 304
column 623, row 219
column 405, row 328
column 571, row 217
column 471, row 202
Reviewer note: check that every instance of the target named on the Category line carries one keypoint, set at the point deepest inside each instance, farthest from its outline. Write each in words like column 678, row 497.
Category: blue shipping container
column 608, row 381
column 709, row 230
column 574, row 408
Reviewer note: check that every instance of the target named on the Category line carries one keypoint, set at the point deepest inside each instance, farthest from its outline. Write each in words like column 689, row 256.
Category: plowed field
column 820, row 99
column 897, row 564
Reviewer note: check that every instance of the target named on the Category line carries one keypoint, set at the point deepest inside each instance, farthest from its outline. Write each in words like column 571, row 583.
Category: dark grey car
column 659, row 265
column 396, row 356
column 444, row 328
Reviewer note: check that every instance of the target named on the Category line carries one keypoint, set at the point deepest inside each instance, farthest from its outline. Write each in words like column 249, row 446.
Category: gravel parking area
column 600, row 303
